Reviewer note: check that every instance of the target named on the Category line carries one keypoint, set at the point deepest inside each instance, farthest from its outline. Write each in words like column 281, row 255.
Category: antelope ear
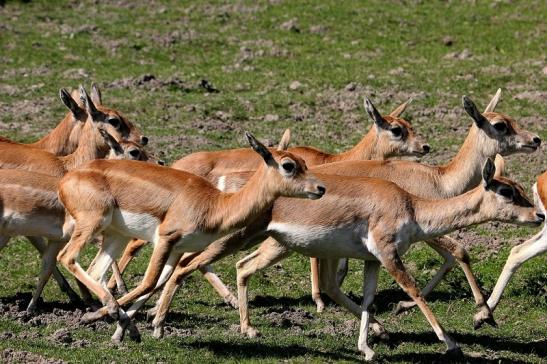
column 259, row 148
column 400, row 109
column 472, row 111
column 70, row 103
column 285, row 140
column 89, row 105
column 111, row 142
column 375, row 115
column 488, row 172
column 494, row 102
column 96, row 95
column 499, row 162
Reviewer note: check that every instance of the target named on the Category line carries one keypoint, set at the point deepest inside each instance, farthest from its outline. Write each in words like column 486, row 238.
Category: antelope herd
column 90, row 180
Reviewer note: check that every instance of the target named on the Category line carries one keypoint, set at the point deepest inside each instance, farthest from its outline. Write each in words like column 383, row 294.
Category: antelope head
column 395, row 135
column 112, row 120
column 506, row 200
column 127, row 150
column 287, row 173
column 499, row 133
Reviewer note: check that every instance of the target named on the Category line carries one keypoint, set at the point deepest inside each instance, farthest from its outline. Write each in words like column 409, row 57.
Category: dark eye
column 288, row 167
column 506, row 192
column 501, row 127
column 134, row 153
column 115, row 122
column 397, row 131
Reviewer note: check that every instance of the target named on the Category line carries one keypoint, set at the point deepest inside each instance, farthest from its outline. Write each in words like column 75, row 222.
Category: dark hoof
column 455, row 353
column 489, row 320
column 134, row 333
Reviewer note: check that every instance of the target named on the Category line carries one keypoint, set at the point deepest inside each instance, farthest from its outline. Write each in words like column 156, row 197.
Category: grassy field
column 150, row 58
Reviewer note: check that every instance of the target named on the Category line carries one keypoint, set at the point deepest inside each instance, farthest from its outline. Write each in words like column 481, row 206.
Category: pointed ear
column 96, row 95
column 488, row 172
column 375, row 115
column 494, row 102
column 400, row 109
column 111, row 142
column 89, row 105
column 499, row 162
column 285, row 140
column 472, row 111
column 259, row 148
column 70, row 103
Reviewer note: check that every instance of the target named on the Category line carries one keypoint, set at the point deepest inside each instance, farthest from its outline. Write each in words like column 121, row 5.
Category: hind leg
column 42, row 246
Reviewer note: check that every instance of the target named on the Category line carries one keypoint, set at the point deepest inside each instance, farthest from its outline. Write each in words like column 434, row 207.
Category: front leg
column 269, row 253
column 385, row 249
column 449, row 248
column 370, row 282
column 519, row 254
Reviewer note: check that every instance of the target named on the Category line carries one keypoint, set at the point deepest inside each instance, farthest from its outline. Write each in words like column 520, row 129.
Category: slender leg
column 41, row 246
column 3, row 241
column 450, row 249
column 370, row 283
column 49, row 260
column 120, row 284
column 386, row 251
column 315, row 290
column 262, row 258
column 162, row 251
column 341, row 271
column 329, row 285
column 87, row 226
column 519, row 254
column 131, row 250
column 182, row 270
column 219, row 286
column 202, row 261
column 166, row 273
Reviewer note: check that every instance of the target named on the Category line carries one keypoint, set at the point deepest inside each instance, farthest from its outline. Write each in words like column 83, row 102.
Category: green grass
column 241, row 48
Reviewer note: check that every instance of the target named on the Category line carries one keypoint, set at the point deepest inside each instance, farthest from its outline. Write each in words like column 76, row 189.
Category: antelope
column 176, row 210
column 96, row 142
column 92, row 144
column 457, row 177
column 376, row 221
column 531, row 248
column 30, row 207
column 64, row 139
column 390, row 136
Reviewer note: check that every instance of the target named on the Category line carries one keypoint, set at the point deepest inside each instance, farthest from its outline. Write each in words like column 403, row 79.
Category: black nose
column 537, row 140
column 541, row 216
column 426, row 148
column 321, row 190
column 161, row 162
column 144, row 140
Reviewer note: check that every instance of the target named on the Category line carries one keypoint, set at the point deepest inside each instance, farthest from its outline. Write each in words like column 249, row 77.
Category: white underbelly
column 323, row 241
column 136, row 225
column 46, row 225
column 197, row 241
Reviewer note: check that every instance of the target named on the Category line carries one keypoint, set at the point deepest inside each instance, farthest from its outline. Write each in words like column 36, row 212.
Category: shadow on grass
column 485, row 341
column 261, row 350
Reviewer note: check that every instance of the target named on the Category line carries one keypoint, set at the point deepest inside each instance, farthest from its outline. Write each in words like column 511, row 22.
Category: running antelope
column 531, row 248
column 95, row 142
column 455, row 178
column 64, row 139
column 389, row 136
column 30, row 207
column 175, row 210
column 376, row 221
